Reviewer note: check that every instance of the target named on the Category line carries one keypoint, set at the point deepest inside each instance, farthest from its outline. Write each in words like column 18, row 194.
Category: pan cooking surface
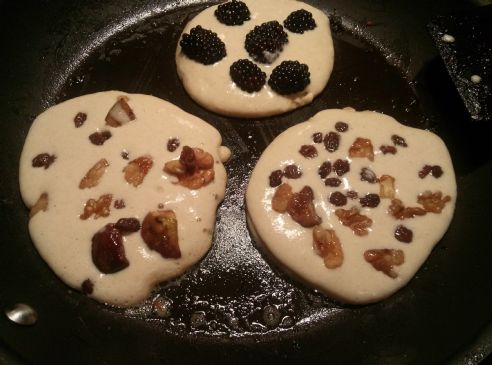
column 235, row 305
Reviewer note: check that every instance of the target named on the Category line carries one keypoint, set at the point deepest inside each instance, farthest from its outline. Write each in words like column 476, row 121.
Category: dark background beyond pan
column 385, row 61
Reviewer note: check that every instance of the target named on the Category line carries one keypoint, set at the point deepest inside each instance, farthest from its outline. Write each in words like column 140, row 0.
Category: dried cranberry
column 341, row 167
column 368, row 175
column 79, row 119
column 119, row 204
column 87, row 286
column 125, row 155
column 403, row 234
column 43, row 160
column 398, row 141
column 127, row 225
column 436, row 171
column 338, row 199
column 325, row 169
column 275, row 178
column 108, row 252
column 352, row 194
column 388, row 149
column 308, row 151
column 331, row 141
column 318, row 137
column 292, row 172
column 370, row 201
column 172, row 144
column 333, row 182
column 98, row 138
column 341, row 126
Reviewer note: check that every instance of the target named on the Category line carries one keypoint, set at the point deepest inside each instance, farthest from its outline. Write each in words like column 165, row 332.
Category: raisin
column 125, row 155
column 79, row 119
column 388, row 149
column 333, row 182
column 332, row 141
column 341, row 126
column 98, row 138
column 119, row 204
column 338, row 199
column 87, row 286
column 127, row 225
column 351, row 194
column 308, row 151
column 318, row 137
column 370, row 201
column 368, row 175
column 292, row 172
column 43, row 160
column 436, row 171
column 172, row 144
column 325, row 169
column 341, row 167
column 425, row 171
column 275, row 178
column 188, row 159
column 403, row 234
column 398, row 141
column 108, row 252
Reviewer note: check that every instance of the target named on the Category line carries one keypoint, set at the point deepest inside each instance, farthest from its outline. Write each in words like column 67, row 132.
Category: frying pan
column 234, row 305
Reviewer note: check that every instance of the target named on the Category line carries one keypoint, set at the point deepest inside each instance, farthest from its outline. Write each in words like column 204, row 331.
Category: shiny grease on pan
column 233, row 291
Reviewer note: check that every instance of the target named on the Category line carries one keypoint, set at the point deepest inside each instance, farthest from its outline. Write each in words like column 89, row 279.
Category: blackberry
column 266, row 41
column 299, row 21
column 289, row 77
column 232, row 13
column 247, row 75
column 203, row 45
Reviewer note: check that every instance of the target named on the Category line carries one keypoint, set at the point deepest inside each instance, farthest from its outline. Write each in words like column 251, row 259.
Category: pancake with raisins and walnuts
column 123, row 191
column 351, row 203
column 255, row 58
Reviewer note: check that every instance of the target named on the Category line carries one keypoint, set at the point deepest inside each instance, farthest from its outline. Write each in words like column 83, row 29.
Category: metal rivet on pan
column 448, row 38
column 271, row 316
column 22, row 314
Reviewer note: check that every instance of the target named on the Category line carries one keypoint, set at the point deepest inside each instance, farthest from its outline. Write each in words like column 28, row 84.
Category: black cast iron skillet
column 234, row 306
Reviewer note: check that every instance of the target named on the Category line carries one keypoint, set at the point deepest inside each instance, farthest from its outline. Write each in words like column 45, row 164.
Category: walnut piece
column 362, row 147
column 384, row 260
column 281, row 198
column 137, row 169
column 94, row 174
column 194, row 169
column 399, row 211
column 359, row 223
column 433, row 202
column 120, row 113
column 328, row 246
column 41, row 204
column 160, row 233
column 387, row 187
column 100, row 207
column 301, row 208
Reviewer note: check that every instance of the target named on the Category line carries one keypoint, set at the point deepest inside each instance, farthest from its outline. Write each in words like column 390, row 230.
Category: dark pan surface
column 56, row 50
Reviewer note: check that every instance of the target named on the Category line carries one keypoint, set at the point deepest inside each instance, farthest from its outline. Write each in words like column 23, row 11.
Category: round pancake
column 159, row 130
column 211, row 86
column 418, row 161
